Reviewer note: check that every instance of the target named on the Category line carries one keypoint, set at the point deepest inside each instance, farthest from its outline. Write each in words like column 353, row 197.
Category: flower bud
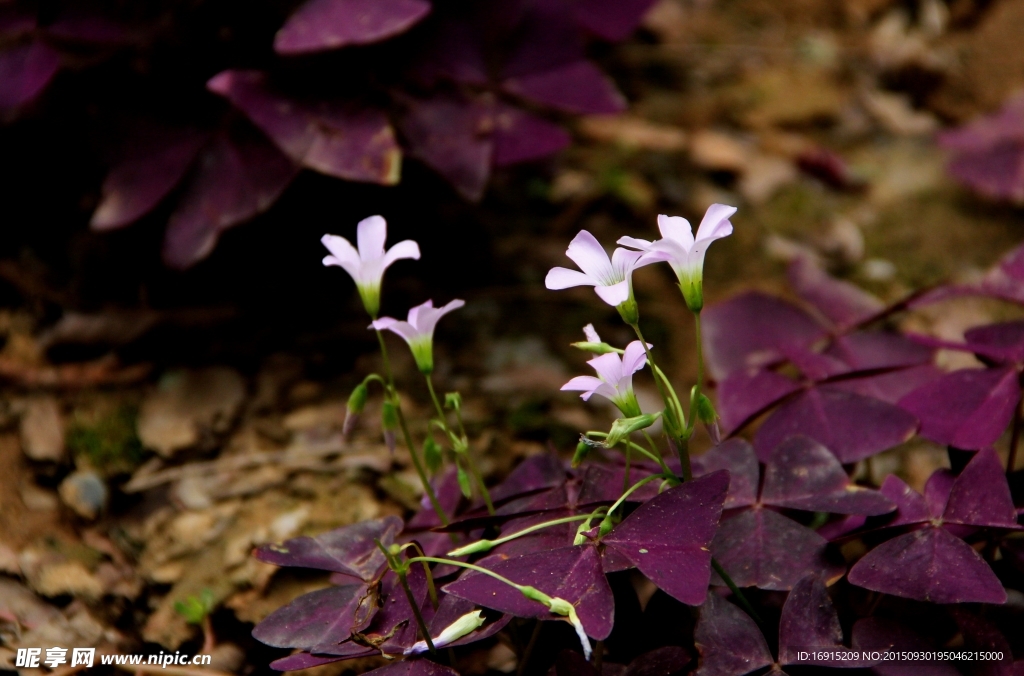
column 594, row 348
column 623, row 427
column 706, row 414
column 582, row 450
column 453, row 401
column 356, row 404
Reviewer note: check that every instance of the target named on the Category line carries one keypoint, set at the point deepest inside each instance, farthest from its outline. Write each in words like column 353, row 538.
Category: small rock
column 764, row 175
column 633, row 132
column 894, row 112
column 329, row 415
column 85, row 493
column 227, row 657
column 878, row 269
column 42, row 431
column 187, row 405
column 844, row 240
column 718, row 151
column 68, row 577
column 38, row 499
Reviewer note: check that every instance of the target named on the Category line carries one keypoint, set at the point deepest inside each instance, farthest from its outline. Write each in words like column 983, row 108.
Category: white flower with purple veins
column 683, row 251
column 610, row 277
column 368, row 263
column 418, row 331
column 615, row 378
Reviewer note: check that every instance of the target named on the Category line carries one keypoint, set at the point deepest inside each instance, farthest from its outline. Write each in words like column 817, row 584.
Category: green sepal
column 623, row 427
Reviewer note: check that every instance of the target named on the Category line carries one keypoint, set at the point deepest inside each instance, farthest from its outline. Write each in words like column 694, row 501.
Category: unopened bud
column 356, row 404
column 582, row 450
column 623, row 427
column 453, row 401
column 706, row 414
column 629, row 311
column 594, row 348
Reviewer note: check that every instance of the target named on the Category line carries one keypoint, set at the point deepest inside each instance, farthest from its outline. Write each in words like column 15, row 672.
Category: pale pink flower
column 367, row 264
column 615, row 378
column 418, row 330
column 610, row 277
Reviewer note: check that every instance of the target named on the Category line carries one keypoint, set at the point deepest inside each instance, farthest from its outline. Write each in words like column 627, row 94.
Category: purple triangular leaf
column 25, row 70
column 521, row 137
column 744, row 394
column 1005, row 281
column 983, row 635
column 911, row 506
column 413, row 667
column 325, row 616
column 1002, row 342
column 876, row 634
column 844, row 304
column 803, row 474
column 967, row 409
column 449, row 495
column 570, row 573
column 815, row 365
column 548, row 37
column 809, row 623
column 302, row 660
column 578, row 87
column 452, row 135
column 610, row 19
column 980, row 496
column 761, row 548
column 350, row 550
column 988, row 153
column 751, row 330
column 668, row 537
column 729, row 642
column 356, row 143
column 157, row 161
column 535, row 473
column 663, row 661
column 928, row 564
column 868, row 350
column 936, row 490
column 319, row 25
column 736, row 456
column 835, row 418
column 891, row 386
column 236, row 178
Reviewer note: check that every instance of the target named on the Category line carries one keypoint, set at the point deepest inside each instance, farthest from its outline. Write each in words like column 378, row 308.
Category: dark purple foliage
column 25, row 70
column 329, row 24
column 988, row 153
column 842, row 303
column 875, row 633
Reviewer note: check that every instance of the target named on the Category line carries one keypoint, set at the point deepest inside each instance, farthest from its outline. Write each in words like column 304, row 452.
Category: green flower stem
column 470, row 462
column 655, row 453
column 674, row 422
column 677, row 407
column 740, row 596
column 485, row 545
column 416, row 461
column 470, row 566
column 636, row 447
column 695, row 393
column 634, row 487
column 402, row 570
column 431, row 587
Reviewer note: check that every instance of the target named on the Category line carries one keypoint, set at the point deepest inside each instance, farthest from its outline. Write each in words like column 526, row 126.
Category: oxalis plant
column 768, row 555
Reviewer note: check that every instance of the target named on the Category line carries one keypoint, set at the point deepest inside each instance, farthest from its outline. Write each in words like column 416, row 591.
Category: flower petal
column 608, row 367
column 428, row 316
column 370, row 235
column 406, row 330
column 343, row 254
column 715, row 224
column 404, row 249
column 634, row 358
column 677, row 229
column 614, row 294
column 591, row 334
column 586, row 252
column 634, row 243
column 582, row 384
column 563, row 278
column 623, row 263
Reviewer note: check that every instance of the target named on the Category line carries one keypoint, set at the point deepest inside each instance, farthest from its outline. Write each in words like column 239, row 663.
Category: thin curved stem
column 470, row 462
column 479, row 545
column 683, row 448
column 416, row 461
column 740, row 596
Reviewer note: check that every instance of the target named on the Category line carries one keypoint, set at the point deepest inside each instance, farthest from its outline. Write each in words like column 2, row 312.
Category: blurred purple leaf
column 729, row 642
column 349, row 550
column 157, row 160
column 929, row 564
column 578, row 87
column 302, row 660
column 453, row 136
column 610, row 19
column 339, row 139
column 325, row 616
column 752, row 330
column 882, row 634
column 836, row 418
column 842, row 303
column 235, row 179
column 570, row 573
column 455, row 52
column 967, row 409
column 667, row 537
column 737, row 457
column 548, row 38
column 449, row 495
column 988, row 153
column 809, row 621
column 868, row 350
column 413, row 667
column 77, row 26
column 319, row 25
column 911, row 506
column 571, row 663
column 520, row 136
column 762, row 548
column 1004, row 281
column 980, row 495
column 25, row 70
column 14, row 24
column 535, row 473
column 663, row 661
column 745, row 394
column 890, row 386
column 803, row 474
